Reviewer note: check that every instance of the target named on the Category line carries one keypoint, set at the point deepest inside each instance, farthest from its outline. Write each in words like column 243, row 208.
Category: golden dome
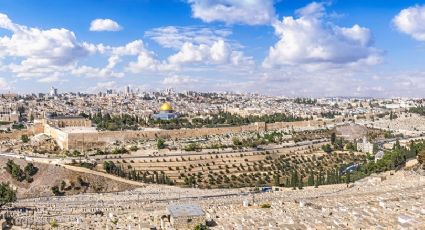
column 166, row 107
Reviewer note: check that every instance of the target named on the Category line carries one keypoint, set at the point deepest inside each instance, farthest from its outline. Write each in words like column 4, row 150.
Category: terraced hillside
column 235, row 169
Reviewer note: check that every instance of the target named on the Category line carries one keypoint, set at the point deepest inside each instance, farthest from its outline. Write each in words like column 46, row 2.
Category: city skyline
column 288, row 48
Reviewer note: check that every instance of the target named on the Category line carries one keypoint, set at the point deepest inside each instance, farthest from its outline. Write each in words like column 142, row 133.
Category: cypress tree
column 310, row 179
column 316, row 185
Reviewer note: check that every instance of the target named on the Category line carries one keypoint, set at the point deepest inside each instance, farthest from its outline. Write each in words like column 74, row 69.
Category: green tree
column 421, row 157
column 327, row 148
column 160, row 143
column 294, row 179
column 201, row 227
column 348, row 178
column 310, row 181
column 7, row 194
column 25, row 138
column 276, row 180
column 56, row 191
column 54, row 223
column 30, row 169
column 317, row 182
column 63, row 185
column 15, row 170
column 333, row 138
column 134, row 148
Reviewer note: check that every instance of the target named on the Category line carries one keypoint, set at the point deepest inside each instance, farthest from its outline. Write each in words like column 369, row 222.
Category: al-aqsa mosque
column 166, row 112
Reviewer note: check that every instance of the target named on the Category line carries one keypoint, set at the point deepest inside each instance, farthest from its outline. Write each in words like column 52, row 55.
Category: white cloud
column 106, row 85
column 134, row 48
column 36, row 51
column 218, row 52
column 174, row 37
column 101, row 86
column 3, row 84
column 89, row 71
column 145, row 61
column 178, row 80
column 50, row 79
column 104, row 25
column 251, row 12
column 206, row 46
column 311, row 40
column 411, row 21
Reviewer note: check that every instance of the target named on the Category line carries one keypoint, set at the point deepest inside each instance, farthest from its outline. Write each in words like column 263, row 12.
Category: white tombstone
column 245, row 203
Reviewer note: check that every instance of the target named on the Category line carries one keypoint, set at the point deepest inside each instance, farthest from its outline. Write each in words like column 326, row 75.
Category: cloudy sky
column 277, row 47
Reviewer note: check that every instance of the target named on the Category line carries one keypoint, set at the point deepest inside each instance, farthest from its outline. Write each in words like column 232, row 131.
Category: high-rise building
column 53, row 91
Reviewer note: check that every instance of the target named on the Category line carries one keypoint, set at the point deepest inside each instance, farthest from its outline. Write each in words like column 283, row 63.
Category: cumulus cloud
column 199, row 45
column 38, row 50
column 178, row 80
column 411, row 21
column 104, row 25
column 175, row 36
column 311, row 40
column 251, row 12
column 134, row 48
column 217, row 53
column 146, row 60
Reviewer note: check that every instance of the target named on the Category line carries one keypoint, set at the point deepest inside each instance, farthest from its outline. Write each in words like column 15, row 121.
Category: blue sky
column 286, row 47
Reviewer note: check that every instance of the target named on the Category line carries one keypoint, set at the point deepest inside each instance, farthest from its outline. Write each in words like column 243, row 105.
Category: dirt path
column 102, row 174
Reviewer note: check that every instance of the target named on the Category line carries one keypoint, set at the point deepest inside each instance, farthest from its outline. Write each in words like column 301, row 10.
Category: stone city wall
column 16, row 134
column 60, row 136
column 84, row 141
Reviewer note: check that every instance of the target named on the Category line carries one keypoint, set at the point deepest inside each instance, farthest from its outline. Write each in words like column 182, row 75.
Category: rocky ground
column 392, row 200
column 50, row 175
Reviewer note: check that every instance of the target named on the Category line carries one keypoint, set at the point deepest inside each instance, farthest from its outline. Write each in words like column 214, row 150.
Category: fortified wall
column 17, row 134
column 84, row 141
column 88, row 140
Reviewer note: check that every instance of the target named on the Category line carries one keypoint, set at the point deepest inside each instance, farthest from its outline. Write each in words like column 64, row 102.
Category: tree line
column 145, row 177
column 130, row 122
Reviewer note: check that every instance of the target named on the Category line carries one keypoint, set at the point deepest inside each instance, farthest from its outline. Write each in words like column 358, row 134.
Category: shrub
column 266, row 206
column 25, row 138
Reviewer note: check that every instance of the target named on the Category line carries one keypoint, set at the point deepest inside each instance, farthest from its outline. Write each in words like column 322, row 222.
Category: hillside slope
column 53, row 175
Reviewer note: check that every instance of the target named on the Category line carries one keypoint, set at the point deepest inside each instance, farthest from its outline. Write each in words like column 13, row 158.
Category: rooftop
column 182, row 210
